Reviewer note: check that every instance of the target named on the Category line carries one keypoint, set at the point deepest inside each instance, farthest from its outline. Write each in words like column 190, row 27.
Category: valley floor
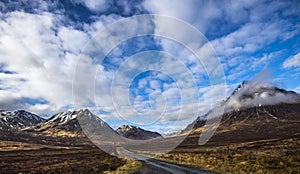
column 264, row 156
column 18, row 157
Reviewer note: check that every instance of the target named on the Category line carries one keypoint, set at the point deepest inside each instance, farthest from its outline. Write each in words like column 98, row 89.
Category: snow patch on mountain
column 64, row 117
column 18, row 119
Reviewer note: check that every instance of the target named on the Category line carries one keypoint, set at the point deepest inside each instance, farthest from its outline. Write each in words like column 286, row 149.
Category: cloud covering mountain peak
column 255, row 93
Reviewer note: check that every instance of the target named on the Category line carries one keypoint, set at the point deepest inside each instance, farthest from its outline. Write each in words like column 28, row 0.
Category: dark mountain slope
column 254, row 111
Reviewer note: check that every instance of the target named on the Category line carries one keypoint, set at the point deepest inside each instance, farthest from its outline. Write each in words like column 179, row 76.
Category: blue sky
column 41, row 43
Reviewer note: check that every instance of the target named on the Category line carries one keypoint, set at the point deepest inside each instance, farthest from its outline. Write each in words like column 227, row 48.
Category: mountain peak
column 63, row 117
column 253, row 103
column 239, row 87
column 134, row 132
column 126, row 128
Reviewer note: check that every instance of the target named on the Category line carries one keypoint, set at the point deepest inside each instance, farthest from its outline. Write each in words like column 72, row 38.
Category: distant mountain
column 133, row 132
column 67, row 124
column 256, row 111
column 18, row 120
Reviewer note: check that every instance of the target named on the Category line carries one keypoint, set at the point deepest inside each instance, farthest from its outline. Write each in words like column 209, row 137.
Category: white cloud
column 72, row 40
column 43, row 63
column 270, row 95
column 155, row 84
column 293, row 61
column 33, row 62
column 47, row 55
column 248, row 39
column 94, row 5
column 203, row 15
column 170, row 8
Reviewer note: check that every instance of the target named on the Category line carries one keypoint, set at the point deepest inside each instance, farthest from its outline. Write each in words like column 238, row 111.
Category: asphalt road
column 162, row 166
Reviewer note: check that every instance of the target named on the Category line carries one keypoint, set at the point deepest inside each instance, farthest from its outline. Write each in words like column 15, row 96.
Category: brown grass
column 131, row 167
column 274, row 156
column 60, row 160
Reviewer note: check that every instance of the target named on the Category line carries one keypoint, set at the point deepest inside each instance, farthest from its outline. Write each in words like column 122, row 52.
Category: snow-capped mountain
column 254, row 100
column 18, row 119
column 67, row 124
column 253, row 112
column 136, row 133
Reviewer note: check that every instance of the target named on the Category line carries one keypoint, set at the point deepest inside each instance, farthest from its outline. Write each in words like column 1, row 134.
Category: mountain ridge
column 251, row 96
column 137, row 133
column 14, row 120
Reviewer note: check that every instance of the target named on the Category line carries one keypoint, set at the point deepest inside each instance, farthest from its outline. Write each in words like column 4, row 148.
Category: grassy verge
column 255, row 157
column 131, row 167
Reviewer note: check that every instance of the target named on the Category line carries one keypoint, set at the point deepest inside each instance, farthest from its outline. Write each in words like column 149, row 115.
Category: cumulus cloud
column 44, row 62
column 35, row 42
column 204, row 15
column 67, row 36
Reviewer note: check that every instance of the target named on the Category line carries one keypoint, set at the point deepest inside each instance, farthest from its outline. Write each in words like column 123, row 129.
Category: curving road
column 159, row 166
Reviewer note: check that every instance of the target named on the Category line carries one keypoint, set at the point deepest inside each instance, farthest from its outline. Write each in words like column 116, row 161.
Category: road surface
column 162, row 166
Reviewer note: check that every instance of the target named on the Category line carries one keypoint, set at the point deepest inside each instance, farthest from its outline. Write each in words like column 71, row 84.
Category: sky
column 50, row 56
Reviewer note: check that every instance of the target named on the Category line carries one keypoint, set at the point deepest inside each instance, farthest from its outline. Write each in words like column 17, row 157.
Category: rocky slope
column 256, row 111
